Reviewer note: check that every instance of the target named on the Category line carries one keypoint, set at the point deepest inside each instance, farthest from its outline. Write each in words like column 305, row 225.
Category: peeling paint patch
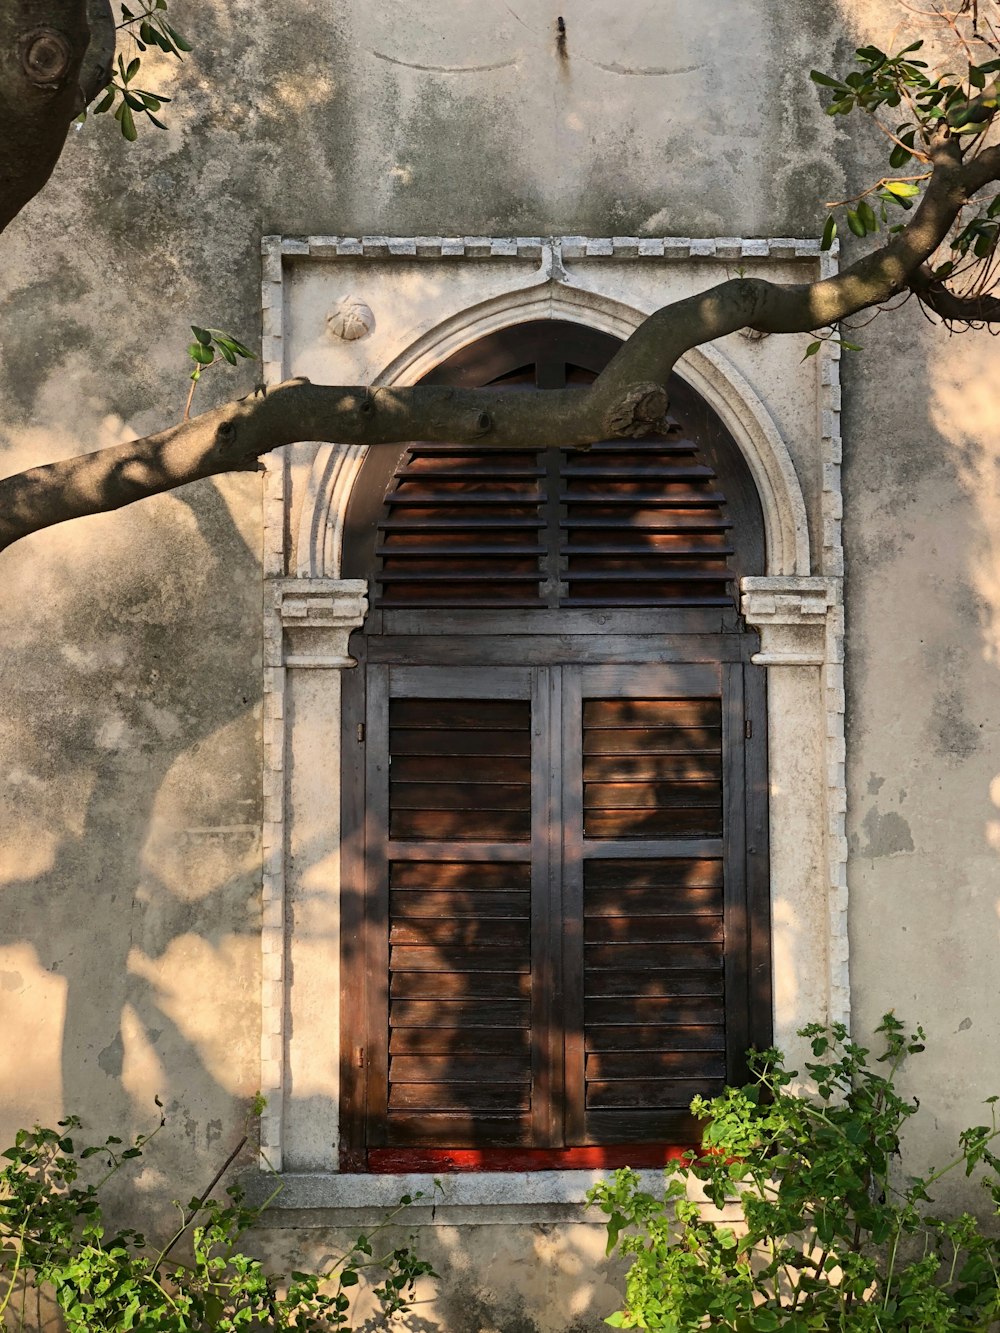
column 112, row 1058
column 887, row 834
column 965, row 1024
column 875, row 783
column 11, row 981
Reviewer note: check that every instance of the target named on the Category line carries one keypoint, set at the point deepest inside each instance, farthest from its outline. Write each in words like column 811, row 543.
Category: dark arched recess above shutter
column 625, row 524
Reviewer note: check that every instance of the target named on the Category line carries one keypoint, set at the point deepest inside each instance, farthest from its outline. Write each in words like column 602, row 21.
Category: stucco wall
column 130, row 729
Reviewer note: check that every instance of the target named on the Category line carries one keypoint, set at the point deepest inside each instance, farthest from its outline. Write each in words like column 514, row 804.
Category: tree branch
column 627, row 399
column 42, row 48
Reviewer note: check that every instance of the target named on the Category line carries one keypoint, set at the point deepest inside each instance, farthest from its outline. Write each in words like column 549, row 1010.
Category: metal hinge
column 748, row 728
column 361, row 733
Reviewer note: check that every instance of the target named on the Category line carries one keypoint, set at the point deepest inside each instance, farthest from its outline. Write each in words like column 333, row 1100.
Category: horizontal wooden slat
column 458, row 1041
column 484, row 1067
column 603, row 983
column 457, row 931
column 443, row 958
column 660, row 957
column 492, row 573
column 451, row 741
column 664, row 873
column 674, row 768
column 459, row 1014
column 632, row 1126
column 458, row 1131
column 664, row 1013
column 689, row 929
column 652, row 901
column 651, row 795
column 474, row 768
column 481, row 876
column 407, row 905
column 459, row 985
column 661, row 740
column 459, row 825
column 620, row 470
column 478, row 796
column 692, row 1037
column 644, row 713
column 640, row 497
column 651, row 823
column 459, row 1096
column 465, row 714
column 623, row 596
column 651, row 1094
column 604, row 1066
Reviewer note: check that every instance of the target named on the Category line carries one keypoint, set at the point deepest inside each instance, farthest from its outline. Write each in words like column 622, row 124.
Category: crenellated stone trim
column 536, row 247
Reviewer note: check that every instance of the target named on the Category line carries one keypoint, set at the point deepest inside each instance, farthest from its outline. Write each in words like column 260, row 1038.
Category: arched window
column 555, row 919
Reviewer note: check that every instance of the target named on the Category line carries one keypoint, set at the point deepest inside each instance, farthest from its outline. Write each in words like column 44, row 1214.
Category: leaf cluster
column 148, row 28
column 825, row 1236
column 208, row 342
column 964, row 105
column 56, row 1245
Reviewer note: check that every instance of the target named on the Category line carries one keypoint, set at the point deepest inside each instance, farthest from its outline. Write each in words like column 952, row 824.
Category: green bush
column 56, row 1248
column 829, row 1234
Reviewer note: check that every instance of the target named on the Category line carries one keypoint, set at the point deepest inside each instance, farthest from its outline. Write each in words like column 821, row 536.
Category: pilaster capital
column 791, row 614
column 313, row 620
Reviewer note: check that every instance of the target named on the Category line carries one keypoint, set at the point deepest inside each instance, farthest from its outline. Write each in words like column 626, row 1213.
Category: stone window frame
column 309, row 616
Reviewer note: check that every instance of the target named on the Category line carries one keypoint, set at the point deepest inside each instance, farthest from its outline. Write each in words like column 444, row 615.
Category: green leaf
column 133, row 69
column 902, row 189
column 106, row 103
column 899, row 156
column 866, row 214
column 855, row 223
column 200, row 353
column 830, row 232
column 825, row 80
column 203, row 335
column 812, row 349
column 127, row 122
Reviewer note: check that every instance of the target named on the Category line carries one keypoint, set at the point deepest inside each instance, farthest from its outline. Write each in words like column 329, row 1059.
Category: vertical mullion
column 758, row 858
column 377, row 903
column 735, row 923
column 571, row 752
column 546, row 1054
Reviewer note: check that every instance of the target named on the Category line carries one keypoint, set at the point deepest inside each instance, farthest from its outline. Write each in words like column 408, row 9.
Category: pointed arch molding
column 708, row 371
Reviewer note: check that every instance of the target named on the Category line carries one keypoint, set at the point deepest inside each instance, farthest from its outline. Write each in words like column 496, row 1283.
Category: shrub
column 56, row 1247
column 829, row 1234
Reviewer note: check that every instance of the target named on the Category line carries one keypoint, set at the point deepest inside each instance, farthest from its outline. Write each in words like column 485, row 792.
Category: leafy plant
column 148, row 28
column 203, row 351
column 56, row 1246
column 829, row 1235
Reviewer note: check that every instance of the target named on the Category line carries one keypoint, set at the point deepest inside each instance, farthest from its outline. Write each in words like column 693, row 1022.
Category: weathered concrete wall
column 129, row 734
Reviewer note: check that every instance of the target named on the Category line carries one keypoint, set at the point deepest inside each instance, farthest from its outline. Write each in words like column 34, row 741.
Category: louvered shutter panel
column 622, row 525
column 646, row 858
column 453, row 1034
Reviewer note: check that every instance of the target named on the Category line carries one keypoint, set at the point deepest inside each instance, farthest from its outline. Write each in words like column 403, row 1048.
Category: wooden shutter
column 623, row 525
column 648, row 847
column 556, row 897
column 451, row 1040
